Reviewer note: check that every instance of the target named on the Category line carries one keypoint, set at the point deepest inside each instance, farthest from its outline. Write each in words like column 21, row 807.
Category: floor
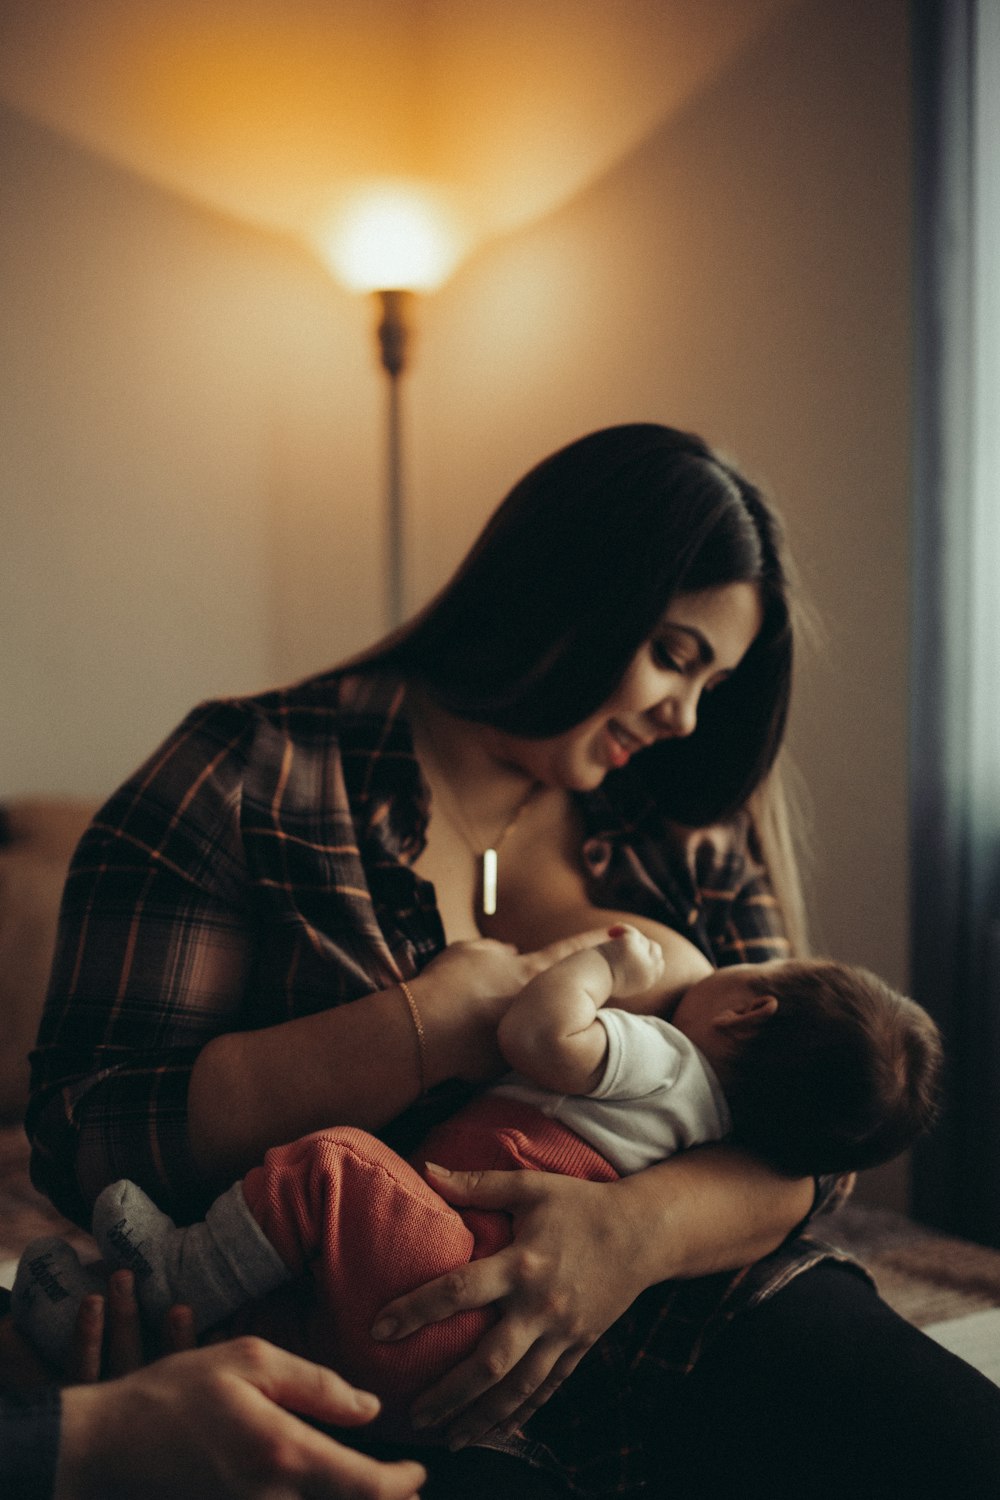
column 974, row 1338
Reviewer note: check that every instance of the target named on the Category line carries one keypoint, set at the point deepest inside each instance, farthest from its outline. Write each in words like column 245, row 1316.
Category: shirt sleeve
column 645, row 1055
column 742, row 919
column 29, row 1447
column 151, row 963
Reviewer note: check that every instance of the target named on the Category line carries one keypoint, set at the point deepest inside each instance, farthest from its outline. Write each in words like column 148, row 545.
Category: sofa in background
column 37, row 839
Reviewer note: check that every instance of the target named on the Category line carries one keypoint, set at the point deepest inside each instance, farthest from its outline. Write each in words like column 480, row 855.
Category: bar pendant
column 489, row 882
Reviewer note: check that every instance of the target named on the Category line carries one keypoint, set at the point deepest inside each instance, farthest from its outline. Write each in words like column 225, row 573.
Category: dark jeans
column 822, row 1392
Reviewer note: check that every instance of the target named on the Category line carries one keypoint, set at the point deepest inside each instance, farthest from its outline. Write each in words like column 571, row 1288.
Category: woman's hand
column 581, row 1254
column 463, row 993
column 359, row 1064
column 560, row 1284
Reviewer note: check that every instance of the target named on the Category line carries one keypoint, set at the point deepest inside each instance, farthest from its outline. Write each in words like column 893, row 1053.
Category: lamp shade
column 393, row 235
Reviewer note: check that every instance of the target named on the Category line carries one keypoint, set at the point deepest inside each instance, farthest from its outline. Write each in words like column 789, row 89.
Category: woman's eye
column 664, row 657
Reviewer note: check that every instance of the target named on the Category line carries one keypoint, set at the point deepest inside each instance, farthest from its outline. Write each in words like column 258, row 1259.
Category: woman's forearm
column 710, row 1209
column 358, row 1064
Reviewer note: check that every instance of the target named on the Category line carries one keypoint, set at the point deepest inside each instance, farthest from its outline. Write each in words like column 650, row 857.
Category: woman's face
column 701, row 639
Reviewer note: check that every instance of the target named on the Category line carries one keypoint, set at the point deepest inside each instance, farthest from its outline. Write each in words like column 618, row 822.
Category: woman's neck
column 473, row 761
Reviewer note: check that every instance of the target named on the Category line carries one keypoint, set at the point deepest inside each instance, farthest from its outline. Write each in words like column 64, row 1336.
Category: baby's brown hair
column 843, row 1076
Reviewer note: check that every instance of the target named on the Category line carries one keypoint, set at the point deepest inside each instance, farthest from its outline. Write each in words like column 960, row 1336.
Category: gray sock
column 215, row 1267
column 49, row 1286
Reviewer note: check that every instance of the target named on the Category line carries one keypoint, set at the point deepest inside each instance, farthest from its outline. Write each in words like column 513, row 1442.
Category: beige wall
column 187, row 411
column 190, row 413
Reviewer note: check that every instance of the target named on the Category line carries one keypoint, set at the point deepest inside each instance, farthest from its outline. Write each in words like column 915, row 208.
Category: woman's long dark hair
column 573, row 572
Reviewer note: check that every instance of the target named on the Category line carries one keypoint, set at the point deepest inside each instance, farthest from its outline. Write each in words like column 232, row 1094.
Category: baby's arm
column 551, row 1033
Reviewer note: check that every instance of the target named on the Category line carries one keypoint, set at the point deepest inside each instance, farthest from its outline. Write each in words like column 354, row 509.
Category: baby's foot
column 133, row 1234
column 636, row 962
column 214, row 1267
column 50, row 1284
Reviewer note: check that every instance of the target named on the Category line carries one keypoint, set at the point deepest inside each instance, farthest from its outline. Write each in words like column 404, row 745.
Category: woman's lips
column 622, row 745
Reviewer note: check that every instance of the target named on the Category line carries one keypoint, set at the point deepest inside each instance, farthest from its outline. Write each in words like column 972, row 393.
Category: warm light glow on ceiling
column 394, row 235
column 270, row 109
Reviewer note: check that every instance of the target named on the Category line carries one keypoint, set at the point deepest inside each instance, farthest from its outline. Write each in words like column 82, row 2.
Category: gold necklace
column 488, row 858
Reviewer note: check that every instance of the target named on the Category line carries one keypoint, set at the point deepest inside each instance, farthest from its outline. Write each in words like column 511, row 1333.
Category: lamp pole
column 394, row 328
column 392, row 240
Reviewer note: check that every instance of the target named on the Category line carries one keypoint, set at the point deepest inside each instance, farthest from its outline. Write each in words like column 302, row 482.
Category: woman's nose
column 677, row 715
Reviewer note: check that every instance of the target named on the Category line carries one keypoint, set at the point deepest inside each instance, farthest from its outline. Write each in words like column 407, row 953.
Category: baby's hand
column 636, row 962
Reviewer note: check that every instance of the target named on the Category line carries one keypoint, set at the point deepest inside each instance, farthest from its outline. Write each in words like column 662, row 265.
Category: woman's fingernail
column 366, row 1401
column 384, row 1328
column 432, row 1166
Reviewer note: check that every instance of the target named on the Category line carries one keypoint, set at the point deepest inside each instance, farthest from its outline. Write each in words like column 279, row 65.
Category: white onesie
column 657, row 1094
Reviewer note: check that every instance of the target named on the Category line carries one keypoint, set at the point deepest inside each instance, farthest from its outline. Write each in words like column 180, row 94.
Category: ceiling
column 272, row 110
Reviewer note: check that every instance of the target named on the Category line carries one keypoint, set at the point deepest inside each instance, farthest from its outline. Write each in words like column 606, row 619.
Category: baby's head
column 825, row 1067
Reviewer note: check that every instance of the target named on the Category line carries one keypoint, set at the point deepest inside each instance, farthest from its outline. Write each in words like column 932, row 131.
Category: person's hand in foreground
column 216, row 1423
column 108, row 1340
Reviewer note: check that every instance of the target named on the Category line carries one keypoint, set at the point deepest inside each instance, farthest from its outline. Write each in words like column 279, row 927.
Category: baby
column 815, row 1066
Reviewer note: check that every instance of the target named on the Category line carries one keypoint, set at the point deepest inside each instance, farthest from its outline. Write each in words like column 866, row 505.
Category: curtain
column 955, row 723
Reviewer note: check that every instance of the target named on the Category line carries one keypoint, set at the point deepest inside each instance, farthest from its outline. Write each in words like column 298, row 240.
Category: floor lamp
column 393, row 242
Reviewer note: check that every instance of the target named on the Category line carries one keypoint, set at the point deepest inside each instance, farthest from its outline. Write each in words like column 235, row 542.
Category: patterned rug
column 926, row 1276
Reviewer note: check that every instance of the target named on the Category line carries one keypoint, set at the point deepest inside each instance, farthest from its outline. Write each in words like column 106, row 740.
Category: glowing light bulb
column 393, row 236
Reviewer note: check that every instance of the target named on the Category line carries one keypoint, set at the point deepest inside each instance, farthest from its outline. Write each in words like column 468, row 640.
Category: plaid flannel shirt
column 258, row 867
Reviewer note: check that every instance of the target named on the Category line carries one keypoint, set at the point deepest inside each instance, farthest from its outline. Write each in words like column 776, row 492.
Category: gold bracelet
column 418, row 1027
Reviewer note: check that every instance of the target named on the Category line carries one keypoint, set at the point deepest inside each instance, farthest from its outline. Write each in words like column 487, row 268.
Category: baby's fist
column 636, row 962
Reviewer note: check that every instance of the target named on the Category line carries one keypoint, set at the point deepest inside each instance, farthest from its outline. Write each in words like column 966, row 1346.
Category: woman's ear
column 743, row 1021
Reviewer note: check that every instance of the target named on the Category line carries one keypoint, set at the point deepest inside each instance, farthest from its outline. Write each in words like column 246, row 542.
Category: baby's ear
column 743, row 1021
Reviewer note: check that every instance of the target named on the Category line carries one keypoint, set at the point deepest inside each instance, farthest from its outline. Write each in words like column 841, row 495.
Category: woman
column 609, row 670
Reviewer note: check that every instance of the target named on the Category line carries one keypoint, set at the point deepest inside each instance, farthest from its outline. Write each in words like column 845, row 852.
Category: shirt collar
column 388, row 796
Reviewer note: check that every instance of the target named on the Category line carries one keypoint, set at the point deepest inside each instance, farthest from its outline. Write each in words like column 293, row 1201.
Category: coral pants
column 359, row 1226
